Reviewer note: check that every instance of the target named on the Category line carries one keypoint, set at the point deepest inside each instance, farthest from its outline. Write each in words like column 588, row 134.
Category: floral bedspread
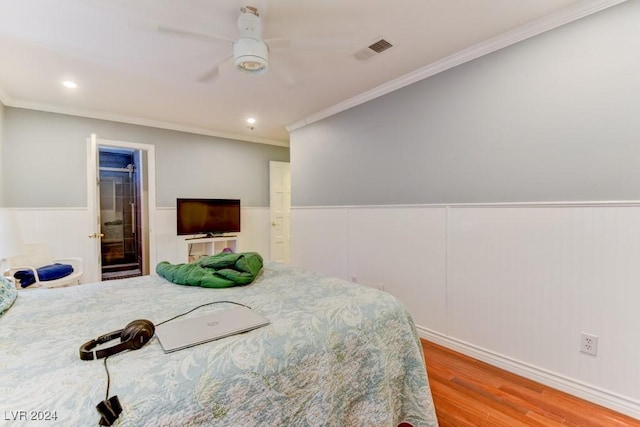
column 335, row 354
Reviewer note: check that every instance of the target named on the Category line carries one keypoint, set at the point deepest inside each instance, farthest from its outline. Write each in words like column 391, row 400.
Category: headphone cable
column 200, row 306
column 106, row 397
column 110, row 409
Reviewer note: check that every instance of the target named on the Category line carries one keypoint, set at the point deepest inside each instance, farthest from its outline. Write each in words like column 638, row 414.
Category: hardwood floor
column 467, row 392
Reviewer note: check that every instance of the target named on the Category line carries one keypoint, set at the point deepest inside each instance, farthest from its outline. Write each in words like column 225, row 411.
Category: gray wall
column 46, row 154
column 553, row 118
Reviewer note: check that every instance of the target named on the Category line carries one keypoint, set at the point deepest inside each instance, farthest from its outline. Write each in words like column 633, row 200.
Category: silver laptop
column 178, row 334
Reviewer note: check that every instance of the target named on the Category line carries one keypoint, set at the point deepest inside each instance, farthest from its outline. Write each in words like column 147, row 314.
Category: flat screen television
column 207, row 216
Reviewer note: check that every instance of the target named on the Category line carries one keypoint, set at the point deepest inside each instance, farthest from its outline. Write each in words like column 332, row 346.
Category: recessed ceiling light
column 251, row 120
column 69, row 84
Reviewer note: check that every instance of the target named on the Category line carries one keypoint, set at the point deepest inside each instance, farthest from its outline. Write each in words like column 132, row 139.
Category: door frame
column 93, row 196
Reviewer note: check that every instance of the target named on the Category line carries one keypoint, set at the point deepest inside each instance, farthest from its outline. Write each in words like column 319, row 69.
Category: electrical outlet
column 354, row 278
column 589, row 344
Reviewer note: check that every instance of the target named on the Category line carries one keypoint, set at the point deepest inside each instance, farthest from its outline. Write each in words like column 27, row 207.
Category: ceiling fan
column 250, row 51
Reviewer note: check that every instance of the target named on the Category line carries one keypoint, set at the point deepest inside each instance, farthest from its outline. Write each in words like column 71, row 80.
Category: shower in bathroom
column 120, row 213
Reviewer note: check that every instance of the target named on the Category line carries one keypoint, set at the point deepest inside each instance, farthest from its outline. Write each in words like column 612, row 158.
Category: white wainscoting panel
column 402, row 249
column 525, row 282
column 511, row 284
column 168, row 248
column 319, row 240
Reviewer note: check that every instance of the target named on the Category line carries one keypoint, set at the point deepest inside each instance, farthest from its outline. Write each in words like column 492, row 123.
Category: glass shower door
column 118, row 217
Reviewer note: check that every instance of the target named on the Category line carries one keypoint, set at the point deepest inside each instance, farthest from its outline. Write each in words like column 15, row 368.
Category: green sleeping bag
column 222, row 270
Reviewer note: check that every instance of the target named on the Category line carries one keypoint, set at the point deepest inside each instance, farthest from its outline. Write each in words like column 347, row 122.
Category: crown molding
column 138, row 121
column 564, row 16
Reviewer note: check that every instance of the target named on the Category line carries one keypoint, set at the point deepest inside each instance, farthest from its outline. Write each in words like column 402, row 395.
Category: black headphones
column 135, row 335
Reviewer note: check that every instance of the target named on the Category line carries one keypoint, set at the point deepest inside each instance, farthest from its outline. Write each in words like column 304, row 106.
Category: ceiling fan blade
column 194, row 34
column 215, row 71
column 278, row 43
column 210, row 75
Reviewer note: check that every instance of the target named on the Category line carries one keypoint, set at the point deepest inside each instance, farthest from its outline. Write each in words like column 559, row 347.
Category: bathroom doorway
column 121, row 210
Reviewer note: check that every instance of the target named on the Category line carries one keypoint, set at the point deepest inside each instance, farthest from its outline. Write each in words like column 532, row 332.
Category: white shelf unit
column 196, row 248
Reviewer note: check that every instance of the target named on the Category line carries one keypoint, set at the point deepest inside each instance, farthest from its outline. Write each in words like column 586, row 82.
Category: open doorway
column 121, row 176
column 121, row 185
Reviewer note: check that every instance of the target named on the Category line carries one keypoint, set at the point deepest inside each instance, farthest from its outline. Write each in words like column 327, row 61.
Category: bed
column 335, row 354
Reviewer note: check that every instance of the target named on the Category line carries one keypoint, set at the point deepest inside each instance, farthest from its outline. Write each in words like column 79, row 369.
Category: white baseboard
column 596, row 395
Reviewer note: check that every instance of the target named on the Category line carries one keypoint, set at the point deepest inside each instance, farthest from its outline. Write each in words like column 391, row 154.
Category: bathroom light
column 251, row 120
column 69, row 84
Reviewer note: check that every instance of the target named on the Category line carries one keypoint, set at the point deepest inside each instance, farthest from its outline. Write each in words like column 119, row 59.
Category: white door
column 93, row 270
column 280, row 202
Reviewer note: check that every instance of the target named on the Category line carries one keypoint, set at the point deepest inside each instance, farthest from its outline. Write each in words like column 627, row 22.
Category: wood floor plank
column 546, row 420
column 468, row 392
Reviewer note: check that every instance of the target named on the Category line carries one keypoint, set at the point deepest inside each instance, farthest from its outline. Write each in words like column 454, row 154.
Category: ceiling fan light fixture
column 251, row 64
column 251, row 55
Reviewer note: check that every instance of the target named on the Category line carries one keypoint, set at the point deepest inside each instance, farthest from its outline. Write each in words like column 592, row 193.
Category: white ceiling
column 129, row 71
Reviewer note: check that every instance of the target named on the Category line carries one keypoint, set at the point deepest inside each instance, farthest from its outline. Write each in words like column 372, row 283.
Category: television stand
column 211, row 236
column 194, row 248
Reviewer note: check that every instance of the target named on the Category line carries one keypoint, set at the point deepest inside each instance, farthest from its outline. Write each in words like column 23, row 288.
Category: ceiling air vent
column 379, row 46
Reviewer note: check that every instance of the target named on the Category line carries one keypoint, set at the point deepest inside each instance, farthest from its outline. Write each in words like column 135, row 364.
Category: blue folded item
column 48, row 272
